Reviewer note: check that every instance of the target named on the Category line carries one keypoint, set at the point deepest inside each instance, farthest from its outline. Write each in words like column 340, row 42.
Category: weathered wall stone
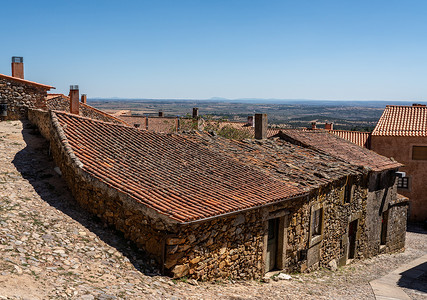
column 396, row 227
column 19, row 97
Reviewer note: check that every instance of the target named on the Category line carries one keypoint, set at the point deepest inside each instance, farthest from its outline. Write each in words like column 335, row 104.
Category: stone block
column 180, row 271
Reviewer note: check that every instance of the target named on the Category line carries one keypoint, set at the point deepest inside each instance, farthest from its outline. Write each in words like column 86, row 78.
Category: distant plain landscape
column 346, row 115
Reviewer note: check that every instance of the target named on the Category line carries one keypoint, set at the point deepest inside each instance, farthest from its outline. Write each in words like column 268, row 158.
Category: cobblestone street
column 51, row 249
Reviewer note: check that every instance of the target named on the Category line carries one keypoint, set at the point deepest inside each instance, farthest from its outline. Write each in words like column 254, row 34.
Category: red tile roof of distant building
column 169, row 173
column 43, row 86
column 402, row 121
column 340, row 148
column 363, row 139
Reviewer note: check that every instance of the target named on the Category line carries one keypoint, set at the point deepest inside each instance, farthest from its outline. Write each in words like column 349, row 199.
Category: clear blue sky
column 366, row 50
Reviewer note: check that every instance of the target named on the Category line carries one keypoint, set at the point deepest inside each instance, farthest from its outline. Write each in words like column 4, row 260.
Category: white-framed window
column 403, row 182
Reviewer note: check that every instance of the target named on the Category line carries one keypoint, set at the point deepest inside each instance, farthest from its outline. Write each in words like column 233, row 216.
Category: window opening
column 317, row 222
column 403, row 182
column 419, row 152
column 348, row 190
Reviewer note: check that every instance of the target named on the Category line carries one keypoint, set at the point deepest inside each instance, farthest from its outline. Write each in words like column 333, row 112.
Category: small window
column 379, row 183
column 419, row 152
column 403, row 182
column 272, row 228
column 317, row 223
column 348, row 190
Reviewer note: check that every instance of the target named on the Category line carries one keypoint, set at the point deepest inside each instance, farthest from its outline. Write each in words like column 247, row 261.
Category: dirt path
column 51, row 249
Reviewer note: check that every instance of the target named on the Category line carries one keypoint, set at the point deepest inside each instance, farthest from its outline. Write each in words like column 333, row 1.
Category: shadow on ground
column 415, row 278
column 37, row 166
column 417, row 227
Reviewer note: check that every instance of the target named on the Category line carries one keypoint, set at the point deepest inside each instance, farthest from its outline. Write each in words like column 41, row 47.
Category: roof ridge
column 44, row 86
column 90, row 119
column 102, row 112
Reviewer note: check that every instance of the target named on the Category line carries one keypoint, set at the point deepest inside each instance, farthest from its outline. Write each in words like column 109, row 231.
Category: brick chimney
column 329, row 126
column 313, row 125
column 83, row 99
column 195, row 112
column 18, row 67
column 160, row 114
column 261, row 126
column 74, row 99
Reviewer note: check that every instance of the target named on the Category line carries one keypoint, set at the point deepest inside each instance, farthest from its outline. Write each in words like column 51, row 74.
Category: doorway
column 272, row 244
column 352, row 238
column 384, row 223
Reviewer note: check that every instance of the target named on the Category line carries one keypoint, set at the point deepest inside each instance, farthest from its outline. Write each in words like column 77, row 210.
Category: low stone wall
column 41, row 118
column 19, row 97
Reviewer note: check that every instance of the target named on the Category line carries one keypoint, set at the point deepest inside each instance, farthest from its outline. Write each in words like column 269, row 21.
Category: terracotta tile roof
column 363, row 139
column 305, row 168
column 339, row 148
column 43, row 86
column 402, row 121
column 61, row 102
column 169, row 173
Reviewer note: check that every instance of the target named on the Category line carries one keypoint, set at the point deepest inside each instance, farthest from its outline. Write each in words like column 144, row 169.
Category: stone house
column 386, row 210
column 207, row 207
column 401, row 133
column 19, row 94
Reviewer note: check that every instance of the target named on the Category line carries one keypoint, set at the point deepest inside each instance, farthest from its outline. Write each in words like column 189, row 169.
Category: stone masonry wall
column 19, row 97
column 233, row 247
column 382, row 195
column 230, row 247
column 338, row 215
column 396, row 230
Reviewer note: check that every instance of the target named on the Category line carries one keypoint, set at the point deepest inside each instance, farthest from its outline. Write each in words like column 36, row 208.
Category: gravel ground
column 51, row 249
